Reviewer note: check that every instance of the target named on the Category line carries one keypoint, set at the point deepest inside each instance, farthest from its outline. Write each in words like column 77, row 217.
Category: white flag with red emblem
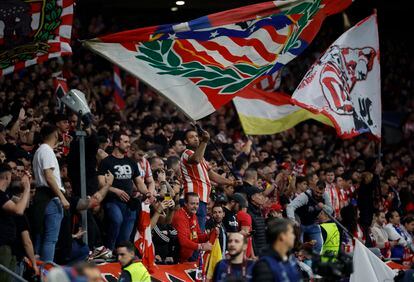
column 143, row 238
column 344, row 84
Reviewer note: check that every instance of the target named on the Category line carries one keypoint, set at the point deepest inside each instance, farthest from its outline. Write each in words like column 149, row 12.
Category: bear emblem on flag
column 342, row 69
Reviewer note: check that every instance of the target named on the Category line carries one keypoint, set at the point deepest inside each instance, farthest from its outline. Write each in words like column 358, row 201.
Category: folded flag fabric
column 42, row 31
column 118, row 91
column 270, row 83
column 263, row 113
column 143, row 238
column 202, row 64
column 369, row 267
column 214, row 258
column 344, row 84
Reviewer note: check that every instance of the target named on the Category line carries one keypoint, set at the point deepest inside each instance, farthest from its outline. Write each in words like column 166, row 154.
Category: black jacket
column 259, row 227
column 263, row 273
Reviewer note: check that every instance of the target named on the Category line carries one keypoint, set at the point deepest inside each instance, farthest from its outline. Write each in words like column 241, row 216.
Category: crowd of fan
column 148, row 151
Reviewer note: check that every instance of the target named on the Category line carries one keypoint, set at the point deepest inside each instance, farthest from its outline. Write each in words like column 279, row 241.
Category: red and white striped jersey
column 144, row 168
column 333, row 194
column 195, row 176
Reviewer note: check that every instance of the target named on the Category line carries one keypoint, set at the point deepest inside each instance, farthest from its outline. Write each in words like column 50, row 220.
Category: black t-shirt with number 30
column 125, row 170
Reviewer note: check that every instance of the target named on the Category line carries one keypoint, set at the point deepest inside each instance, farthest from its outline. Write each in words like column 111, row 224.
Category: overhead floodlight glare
column 174, row 9
column 179, row 2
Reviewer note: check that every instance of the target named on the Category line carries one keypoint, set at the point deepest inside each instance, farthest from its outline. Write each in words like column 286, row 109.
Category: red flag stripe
column 276, row 37
column 186, row 50
column 257, row 45
column 274, row 98
column 36, row 7
column 214, row 46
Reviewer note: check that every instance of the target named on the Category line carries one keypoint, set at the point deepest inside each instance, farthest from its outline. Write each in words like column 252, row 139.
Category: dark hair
column 240, row 162
column 172, row 160
column 349, row 217
column 347, row 175
column 388, row 174
column 4, row 167
column 389, row 214
column 275, row 227
column 188, row 131
column 217, row 206
column 378, row 212
column 126, row 244
column 320, row 184
column 188, row 195
column 310, row 175
column 408, row 219
column 47, row 130
column 328, row 170
column 300, row 179
column 116, row 137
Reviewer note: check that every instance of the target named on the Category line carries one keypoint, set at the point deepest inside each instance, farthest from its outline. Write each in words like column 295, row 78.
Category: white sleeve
column 47, row 159
column 298, row 202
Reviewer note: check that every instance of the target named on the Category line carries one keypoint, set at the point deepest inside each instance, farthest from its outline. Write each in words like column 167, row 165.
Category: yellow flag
column 214, row 258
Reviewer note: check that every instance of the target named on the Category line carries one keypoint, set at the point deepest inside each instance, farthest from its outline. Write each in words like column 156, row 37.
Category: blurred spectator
column 256, row 201
column 276, row 264
column 7, row 223
column 235, row 268
column 131, row 271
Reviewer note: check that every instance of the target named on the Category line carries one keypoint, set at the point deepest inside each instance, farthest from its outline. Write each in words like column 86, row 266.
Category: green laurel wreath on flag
column 51, row 21
column 308, row 10
column 160, row 55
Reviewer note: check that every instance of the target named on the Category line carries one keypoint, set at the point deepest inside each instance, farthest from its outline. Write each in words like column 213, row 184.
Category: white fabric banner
column 369, row 267
column 344, row 84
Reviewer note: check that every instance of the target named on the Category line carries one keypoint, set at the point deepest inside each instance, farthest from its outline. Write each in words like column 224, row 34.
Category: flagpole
column 198, row 127
column 330, row 216
column 379, row 151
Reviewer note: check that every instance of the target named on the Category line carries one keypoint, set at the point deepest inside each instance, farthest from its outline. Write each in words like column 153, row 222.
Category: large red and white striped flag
column 345, row 83
column 202, row 64
column 143, row 238
column 43, row 31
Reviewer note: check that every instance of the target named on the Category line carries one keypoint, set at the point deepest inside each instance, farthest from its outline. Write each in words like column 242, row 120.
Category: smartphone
column 167, row 197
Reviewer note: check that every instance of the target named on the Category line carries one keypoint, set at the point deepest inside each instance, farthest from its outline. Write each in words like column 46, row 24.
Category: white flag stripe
column 117, row 80
column 67, row 10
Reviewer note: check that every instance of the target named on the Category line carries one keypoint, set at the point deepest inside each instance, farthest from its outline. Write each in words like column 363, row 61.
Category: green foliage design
column 160, row 55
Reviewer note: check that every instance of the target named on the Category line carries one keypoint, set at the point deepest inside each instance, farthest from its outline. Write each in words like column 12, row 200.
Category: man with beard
column 196, row 172
column 236, row 267
column 190, row 237
column 119, row 208
column 308, row 211
column 276, row 264
column 216, row 222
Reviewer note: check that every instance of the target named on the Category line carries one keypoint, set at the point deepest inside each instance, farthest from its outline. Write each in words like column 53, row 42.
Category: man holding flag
column 190, row 237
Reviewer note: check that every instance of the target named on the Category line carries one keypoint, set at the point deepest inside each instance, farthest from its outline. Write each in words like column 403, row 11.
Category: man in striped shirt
column 144, row 166
column 196, row 172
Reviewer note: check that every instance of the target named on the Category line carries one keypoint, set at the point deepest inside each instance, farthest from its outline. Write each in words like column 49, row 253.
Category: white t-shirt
column 45, row 158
